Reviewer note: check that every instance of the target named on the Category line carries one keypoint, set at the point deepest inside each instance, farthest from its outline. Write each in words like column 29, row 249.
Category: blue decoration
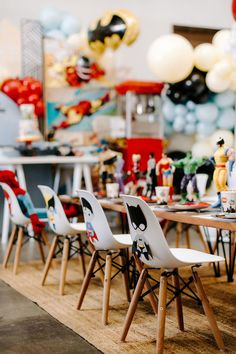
column 50, row 18
column 179, row 124
column 70, row 25
column 55, row 34
column 227, row 119
column 207, row 112
column 225, row 99
column 168, row 111
column 205, row 129
column 190, row 128
column 191, row 117
column 191, row 105
column 180, row 109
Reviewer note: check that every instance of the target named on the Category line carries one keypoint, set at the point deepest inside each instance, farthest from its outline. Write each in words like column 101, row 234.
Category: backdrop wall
column 156, row 18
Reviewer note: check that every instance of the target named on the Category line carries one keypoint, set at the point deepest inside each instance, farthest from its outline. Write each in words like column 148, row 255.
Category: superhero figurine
column 166, row 169
column 151, row 180
column 190, row 166
column 220, row 158
column 107, row 168
column 119, row 173
column 25, row 202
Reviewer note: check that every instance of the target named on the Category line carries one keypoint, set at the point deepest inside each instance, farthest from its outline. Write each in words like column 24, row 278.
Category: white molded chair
column 60, row 225
column 102, row 239
column 19, row 231
column 150, row 245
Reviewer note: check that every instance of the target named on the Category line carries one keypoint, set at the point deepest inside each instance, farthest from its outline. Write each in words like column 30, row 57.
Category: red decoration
column 11, row 88
column 27, row 90
column 141, row 87
column 39, row 109
column 234, row 9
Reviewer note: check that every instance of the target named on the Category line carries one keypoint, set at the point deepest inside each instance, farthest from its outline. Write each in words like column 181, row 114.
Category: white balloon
column 168, row 111
column 205, row 129
column 190, row 128
column 206, row 56
column 77, row 40
column 227, row 135
column 217, row 83
column 221, row 39
column 207, row 112
column 202, row 149
column 171, row 58
column 191, row 117
column 232, row 85
column 224, row 67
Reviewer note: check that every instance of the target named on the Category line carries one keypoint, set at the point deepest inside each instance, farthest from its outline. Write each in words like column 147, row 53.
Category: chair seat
column 79, row 226
column 190, row 256
column 124, row 240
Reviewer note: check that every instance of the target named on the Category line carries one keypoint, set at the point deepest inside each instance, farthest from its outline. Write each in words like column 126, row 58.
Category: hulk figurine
column 190, row 165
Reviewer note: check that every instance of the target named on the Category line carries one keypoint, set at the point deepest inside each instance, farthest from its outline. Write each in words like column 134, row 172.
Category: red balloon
column 234, row 9
column 21, row 100
column 11, row 88
column 36, row 88
column 39, row 109
column 33, row 99
column 28, row 80
column 24, row 92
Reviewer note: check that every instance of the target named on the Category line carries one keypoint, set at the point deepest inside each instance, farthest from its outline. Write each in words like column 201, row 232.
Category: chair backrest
column 16, row 214
column 98, row 229
column 149, row 242
column 57, row 218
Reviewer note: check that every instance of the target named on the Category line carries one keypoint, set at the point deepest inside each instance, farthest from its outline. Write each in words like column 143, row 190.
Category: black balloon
column 193, row 88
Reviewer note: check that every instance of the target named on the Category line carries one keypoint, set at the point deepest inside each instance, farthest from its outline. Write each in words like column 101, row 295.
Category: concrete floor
column 27, row 329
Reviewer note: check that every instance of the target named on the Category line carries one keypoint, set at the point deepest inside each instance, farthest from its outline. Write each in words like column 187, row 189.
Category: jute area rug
column 197, row 337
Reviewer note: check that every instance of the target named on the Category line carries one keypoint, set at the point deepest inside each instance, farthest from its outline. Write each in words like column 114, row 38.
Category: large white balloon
column 206, row 56
column 170, row 58
column 202, row 148
column 227, row 135
column 225, row 99
column 216, row 82
column 221, row 40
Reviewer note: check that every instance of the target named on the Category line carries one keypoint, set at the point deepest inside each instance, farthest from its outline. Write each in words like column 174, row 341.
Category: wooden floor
column 197, row 337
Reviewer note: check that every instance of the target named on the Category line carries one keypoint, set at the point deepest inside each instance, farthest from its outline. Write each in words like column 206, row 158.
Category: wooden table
column 191, row 218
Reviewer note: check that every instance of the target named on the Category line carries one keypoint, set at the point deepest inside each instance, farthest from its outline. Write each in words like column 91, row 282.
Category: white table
column 81, row 168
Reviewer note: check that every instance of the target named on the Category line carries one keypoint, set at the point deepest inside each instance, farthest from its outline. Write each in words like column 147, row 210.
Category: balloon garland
column 26, row 90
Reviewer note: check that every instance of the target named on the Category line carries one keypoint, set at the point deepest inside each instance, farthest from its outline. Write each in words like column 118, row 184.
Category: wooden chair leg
column 87, row 278
column 82, row 255
column 179, row 230
column 49, row 259
column 64, row 263
column 125, row 275
column 165, row 228
column 45, row 239
column 147, row 286
column 106, row 289
column 134, row 303
column 178, row 301
column 41, row 251
column 208, row 310
column 100, row 272
column 10, row 246
column 161, row 314
column 187, row 235
column 18, row 249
